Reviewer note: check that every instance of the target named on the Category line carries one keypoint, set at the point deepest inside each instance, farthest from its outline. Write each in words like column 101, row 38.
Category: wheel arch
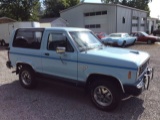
column 121, row 42
column 93, row 77
column 20, row 65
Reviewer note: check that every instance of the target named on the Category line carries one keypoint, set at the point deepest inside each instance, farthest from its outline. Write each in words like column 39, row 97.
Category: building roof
column 103, row 5
column 47, row 20
column 6, row 20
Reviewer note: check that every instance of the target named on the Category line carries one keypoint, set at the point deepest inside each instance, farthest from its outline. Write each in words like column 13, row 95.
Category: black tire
column 149, row 41
column 123, row 44
column 3, row 43
column 105, row 95
column 134, row 42
column 27, row 78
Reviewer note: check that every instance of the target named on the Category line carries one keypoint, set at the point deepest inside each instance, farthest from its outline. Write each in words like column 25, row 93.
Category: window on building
column 98, row 26
column 92, row 14
column 98, row 13
column 157, row 21
column 134, row 25
column 86, row 14
column 134, row 18
column 143, row 19
column 93, row 26
column 86, row 26
column 123, row 20
column 142, row 25
column 95, row 13
column 104, row 12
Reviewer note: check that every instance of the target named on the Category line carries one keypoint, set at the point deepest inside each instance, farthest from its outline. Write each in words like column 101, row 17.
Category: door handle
column 47, row 54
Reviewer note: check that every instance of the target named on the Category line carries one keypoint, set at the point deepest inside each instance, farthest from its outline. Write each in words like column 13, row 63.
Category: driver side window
column 58, row 40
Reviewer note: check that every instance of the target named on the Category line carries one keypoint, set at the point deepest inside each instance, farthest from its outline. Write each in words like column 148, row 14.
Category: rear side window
column 28, row 38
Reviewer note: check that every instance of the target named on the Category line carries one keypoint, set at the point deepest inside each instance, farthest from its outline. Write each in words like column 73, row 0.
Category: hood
column 118, row 56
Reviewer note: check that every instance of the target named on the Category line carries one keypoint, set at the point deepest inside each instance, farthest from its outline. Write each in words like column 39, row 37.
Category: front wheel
column 26, row 77
column 105, row 95
column 134, row 42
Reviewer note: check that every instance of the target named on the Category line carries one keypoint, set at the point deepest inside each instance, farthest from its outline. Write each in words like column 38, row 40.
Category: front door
column 56, row 64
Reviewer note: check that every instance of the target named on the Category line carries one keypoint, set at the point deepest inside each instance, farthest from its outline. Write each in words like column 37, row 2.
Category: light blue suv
column 75, row 55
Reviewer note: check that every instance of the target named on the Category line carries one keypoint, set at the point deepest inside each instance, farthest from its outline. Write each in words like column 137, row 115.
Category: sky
column 154, row 7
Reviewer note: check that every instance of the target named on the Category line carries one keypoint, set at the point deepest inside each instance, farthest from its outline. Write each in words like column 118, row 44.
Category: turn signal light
column 129, row 75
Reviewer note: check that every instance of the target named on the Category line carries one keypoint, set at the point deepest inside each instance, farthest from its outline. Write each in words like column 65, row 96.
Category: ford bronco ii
column 75, row 55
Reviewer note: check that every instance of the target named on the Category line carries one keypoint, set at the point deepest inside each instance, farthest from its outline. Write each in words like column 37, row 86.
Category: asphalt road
column 62, row 102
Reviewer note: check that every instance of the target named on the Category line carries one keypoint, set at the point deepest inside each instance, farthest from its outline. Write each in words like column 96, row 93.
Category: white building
column 152, row 24
column 53, row 22
column 107, row 18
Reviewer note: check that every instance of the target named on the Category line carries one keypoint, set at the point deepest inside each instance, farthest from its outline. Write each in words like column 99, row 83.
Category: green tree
column 21, row 10
column 139, row 4
column 53, row 7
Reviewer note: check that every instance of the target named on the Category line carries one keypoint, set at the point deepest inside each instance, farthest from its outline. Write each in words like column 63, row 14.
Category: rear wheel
column 105, row 95
column 26, row 77
column 3, row 43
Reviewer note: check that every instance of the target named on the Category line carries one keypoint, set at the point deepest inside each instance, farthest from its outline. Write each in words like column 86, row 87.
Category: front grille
column 143, row 67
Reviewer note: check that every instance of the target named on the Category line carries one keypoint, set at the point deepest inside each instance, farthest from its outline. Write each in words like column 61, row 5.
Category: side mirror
column 60, row 50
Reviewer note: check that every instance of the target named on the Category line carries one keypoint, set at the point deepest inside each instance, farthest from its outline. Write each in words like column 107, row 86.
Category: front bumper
column 141, row 84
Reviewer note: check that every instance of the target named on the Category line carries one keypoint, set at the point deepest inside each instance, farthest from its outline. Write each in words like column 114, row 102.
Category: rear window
column 115, row 35
column 28, row 38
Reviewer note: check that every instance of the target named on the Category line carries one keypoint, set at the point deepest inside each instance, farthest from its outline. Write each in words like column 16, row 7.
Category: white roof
column 67, row 28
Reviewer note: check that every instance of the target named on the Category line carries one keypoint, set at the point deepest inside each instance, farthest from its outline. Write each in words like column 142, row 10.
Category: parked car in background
column 101, row 35
column 144, row 37
column 156, row 32
column 119, row 39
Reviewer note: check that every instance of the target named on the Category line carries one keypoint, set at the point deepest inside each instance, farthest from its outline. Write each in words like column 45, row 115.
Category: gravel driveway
column 61, row 102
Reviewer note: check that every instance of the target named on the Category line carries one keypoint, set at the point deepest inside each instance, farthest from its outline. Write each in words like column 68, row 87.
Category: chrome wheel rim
column 26, row 78
column 103, row 96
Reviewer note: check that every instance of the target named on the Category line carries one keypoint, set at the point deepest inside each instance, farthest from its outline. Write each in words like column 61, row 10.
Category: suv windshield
column 85, row 40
